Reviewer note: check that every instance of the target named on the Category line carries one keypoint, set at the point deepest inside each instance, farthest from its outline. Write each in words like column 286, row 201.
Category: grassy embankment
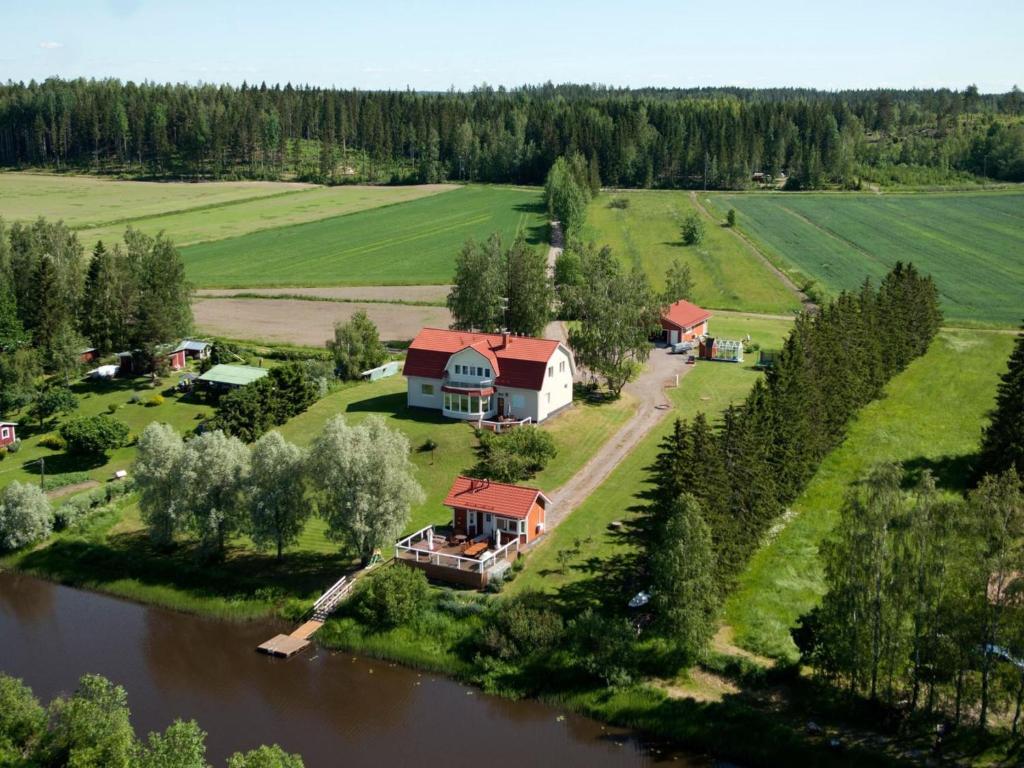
column 972, row 243
column 930, row 418
column 101, row 209
column 646, row 232
column 111, row 553
column 410, row 244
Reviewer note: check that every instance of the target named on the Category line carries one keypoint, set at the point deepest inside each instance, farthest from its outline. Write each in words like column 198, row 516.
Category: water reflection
column 332, row 708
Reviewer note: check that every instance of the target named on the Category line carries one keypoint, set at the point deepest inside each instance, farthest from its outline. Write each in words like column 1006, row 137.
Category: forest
column 671, row 138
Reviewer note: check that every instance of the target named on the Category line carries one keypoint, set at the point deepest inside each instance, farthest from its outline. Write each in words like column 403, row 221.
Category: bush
column 521, row 626
column 515, row 455
column 603, row 646
column 619, row 202
column 393, row 596
column 25, row 516
column 730, row 218
column 135, row 398
column 112, row 408
column 459, row 608
column 154, row 401
column 15, row 446
column 94, row 435
column 53, row 441
column 3, row 452
column 693, row 229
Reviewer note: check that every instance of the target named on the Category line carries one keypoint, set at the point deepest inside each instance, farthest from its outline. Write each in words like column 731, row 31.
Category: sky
column 431, row 45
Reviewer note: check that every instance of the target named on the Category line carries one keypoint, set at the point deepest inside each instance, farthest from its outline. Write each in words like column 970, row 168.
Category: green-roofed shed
column 230, row 376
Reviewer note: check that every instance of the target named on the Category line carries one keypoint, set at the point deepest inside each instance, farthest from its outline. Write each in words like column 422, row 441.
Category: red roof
column 685, row 315
column 488, row 496
column 521, row 362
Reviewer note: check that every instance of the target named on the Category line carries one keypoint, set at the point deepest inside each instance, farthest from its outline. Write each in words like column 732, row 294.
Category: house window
column 458, row 368
column 487, row 373
column 551, row 371
column 427, row 389
column 561, row 366
column 5, row 433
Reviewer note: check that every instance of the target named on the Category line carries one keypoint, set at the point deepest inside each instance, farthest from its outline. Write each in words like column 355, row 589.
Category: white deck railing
column 497, row 426
column 406, row 548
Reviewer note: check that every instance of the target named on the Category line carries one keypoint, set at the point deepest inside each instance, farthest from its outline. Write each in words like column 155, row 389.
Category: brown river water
column 332, row 708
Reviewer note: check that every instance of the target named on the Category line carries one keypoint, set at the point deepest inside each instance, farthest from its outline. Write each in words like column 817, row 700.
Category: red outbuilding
column 684, row 321
column 7, row 435
column 484, row 507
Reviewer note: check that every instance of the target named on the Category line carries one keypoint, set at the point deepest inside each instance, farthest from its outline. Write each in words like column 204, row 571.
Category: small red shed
column 484, row 507
column 684, row 321
column 7, row 435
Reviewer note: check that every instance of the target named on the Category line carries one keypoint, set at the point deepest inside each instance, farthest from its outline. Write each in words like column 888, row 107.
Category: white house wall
column 417, row 399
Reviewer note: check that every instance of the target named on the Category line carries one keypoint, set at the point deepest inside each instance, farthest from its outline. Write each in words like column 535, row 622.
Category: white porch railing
column 405, row 548
column 498, row 426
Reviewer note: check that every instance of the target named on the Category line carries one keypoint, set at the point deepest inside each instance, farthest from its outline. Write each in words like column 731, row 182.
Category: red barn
column 7, row 435
column 684, row 321
column 484, row 507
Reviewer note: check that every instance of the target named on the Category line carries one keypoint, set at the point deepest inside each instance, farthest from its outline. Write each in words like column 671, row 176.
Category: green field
column 710, row 388
column 972, row 243
column 930, row 417
column 87, row 201
column 410, row 244
column 727, row 274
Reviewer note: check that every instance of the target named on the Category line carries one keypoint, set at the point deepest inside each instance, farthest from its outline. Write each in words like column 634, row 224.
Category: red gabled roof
column 522, row 362
column 488, row 496
column 684, row 315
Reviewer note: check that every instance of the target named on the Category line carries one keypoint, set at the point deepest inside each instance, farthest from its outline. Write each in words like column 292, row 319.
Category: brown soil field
column 309, row 323
column 436, row 293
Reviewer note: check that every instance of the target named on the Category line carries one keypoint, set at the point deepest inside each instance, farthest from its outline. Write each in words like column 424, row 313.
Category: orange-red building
column 684, row 321
column 484, row 508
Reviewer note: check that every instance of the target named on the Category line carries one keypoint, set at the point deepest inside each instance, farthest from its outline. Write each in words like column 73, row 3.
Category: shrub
column 154, row 401
column 135, row 398
column 94, row 435
column 693, row 229
column 112, row 408
column 53, row 441
column 515, row 455
column 520, row 627
column 3, row 452
column 460, row 608
column 603, row 646
column 730, row 218
column 25, row 515
column 393, row 596
column 619, row 202
column 15, row 446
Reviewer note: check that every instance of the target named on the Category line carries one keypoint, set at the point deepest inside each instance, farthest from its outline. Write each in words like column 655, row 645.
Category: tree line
column 718, row 488
column 54, row 303
column 212, row 487
column 92, row 728
column 634, row 138
column 924, row 609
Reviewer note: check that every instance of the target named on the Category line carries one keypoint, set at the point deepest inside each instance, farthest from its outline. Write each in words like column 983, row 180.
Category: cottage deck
column 470, row 563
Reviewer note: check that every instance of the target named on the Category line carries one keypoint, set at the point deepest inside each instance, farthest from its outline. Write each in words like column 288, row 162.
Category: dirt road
column 649, row 390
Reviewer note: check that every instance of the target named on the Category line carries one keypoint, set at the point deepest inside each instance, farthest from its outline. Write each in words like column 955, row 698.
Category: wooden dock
column 286, row 646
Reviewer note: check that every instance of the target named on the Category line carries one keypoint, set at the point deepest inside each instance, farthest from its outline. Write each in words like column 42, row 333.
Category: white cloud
column 50, row 45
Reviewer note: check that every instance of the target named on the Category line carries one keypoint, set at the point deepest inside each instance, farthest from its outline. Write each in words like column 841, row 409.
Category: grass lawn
column 930, row 417
column 710, row 388
column 578, row 433
column 217, row 222
column 181, row 412
column 727, row 275
column 88, row 201
column 972, row 243
column 409, row 244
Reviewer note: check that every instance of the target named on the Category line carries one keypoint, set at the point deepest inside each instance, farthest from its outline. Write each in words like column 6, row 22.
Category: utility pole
column 42, row 473
column 705, row 170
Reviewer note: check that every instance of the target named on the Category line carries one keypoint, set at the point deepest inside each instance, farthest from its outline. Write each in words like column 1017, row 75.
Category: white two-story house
column 489, row 376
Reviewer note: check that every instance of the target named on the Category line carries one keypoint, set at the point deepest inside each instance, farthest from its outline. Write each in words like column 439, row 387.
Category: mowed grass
column 87, row 201
column 726, row 273
column 972, row 243
column 217, row 222
column 181, row 412
column 709, row 388
column 930, row 417
column 578, row 433
column 409, row 244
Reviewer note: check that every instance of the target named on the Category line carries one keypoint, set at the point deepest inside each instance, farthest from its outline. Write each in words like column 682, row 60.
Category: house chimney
column 506, row 338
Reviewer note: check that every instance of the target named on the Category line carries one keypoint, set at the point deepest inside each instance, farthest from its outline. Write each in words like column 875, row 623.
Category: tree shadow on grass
column 394, row 406
column 951, row 473
column 64, row 463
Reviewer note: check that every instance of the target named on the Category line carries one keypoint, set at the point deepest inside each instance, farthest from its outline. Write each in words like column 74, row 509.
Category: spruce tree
column 1002, row 443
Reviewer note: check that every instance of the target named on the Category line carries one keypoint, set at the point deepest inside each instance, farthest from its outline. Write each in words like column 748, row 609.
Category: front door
column 471, row 523
column 501, row 405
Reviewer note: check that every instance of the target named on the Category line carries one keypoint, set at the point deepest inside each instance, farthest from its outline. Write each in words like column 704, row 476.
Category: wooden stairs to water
column 286, row 646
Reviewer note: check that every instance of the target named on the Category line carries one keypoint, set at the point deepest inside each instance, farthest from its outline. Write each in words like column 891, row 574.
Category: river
column 332, row 708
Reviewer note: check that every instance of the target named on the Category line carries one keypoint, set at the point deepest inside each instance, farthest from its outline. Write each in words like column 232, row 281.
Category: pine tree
column 1002, row 443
